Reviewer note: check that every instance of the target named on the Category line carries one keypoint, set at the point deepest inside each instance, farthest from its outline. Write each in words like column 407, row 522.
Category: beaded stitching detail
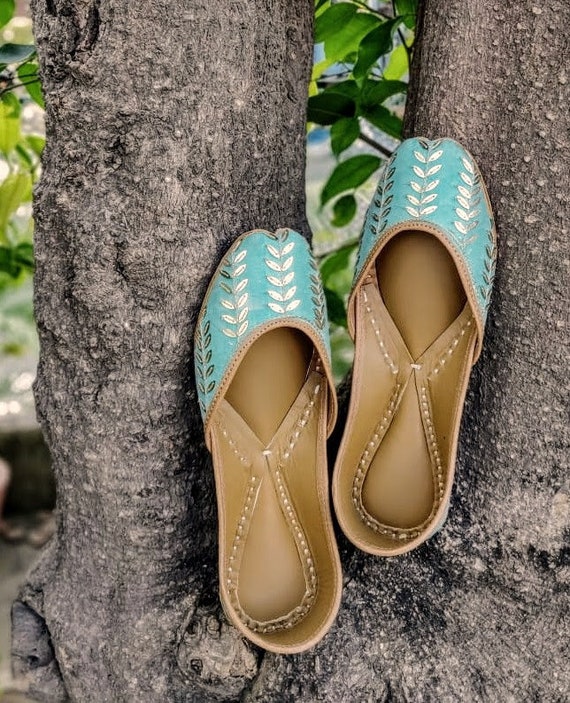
column 381, row 429
column 364, row 464
column 449, row 351
column 300, row 538
column 387, row 358
column 433, row 449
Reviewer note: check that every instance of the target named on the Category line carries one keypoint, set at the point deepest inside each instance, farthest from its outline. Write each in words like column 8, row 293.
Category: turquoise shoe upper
column 435, row 186
column 264, row 281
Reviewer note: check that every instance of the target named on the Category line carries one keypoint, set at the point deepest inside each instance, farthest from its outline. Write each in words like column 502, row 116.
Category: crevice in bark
column 33, row 657
column 51, row 9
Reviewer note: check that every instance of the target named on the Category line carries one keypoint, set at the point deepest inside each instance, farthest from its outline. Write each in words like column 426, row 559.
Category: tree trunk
column 171, row 128
column 127, row 590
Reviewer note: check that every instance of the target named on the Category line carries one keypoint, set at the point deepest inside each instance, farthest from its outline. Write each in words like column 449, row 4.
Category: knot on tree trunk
column 214, row 657
column 33, row 657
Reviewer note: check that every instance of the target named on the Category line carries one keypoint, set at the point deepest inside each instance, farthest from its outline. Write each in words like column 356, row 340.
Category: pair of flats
column 262, row 360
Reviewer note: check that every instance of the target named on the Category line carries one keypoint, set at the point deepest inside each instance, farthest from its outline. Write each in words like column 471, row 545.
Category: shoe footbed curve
column 422, row 292
column 274, row 387
column 415, row 298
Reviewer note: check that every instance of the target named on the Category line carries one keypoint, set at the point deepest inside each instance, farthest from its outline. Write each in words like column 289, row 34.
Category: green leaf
column 335, row 307
column 385, row 120
column 24, row 156
column 13, row 190
column 345, row 41
column 337, row 262
column 349, row 174
column 374, row 45
column 375, row 92
column 397, row 64
column 13, row 260
column 343, row 133
column 344, row 210
column 329, row 22
column 328, row 107
column 16, row 53
column 6, row 11
column 28, row 74
column 408, row 9
column 342, row 352
column 9, row 122
column 349, row 88
column 36, row 143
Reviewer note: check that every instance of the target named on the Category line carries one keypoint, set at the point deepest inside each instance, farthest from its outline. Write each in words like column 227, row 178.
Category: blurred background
column 355, row 107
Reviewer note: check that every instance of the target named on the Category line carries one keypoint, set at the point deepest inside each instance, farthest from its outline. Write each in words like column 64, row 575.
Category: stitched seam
column 434, row 453
column 387, row 358
column 449, row 351
column 363, row 466
column 309, row 572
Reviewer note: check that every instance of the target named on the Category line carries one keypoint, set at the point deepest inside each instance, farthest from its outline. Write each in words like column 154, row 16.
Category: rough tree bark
column 171, row 128
column 476, row 614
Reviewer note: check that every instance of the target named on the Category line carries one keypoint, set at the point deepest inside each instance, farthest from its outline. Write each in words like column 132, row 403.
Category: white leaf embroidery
column 435, row 156
column 288, row 278
column 229, row 319
column 461, row 227
column 429, row 198
column 275, row 295
column 243, row 315
column 287, row 264
column 419, row 171
column 290, row 293
column 229, row 333
column 287, row 248
column 416, row 186
column 420, row 157
column 431, row 185
column 239, row 269
column 433, row 170
column 462, row 214
column 466, row 179
column 468, row 166
column 243, row 328
column 273, row 266
column 276, row 308
column 293, row 305
column 241, row 285
column 413, row 212
column 273, row 251
column 240, row 257
column 243, row 300
column 428, row 210
column 227, row 304
column 413, row 199
column 274, row 281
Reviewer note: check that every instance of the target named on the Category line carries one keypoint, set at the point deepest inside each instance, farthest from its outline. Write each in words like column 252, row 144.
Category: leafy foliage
column 357, row 92
column 19, row 152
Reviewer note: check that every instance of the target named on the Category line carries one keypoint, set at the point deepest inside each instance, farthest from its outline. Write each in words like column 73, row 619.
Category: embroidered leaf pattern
column 279, row 261
column 235, row 287
column 424, row 171
column 489, row 273
column 318, row 297
column 468, row 198
column 204, row 365
column 382, row 201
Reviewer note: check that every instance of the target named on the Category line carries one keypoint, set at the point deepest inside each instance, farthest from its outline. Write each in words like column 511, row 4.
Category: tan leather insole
column 267, row 382
column 422, row 291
